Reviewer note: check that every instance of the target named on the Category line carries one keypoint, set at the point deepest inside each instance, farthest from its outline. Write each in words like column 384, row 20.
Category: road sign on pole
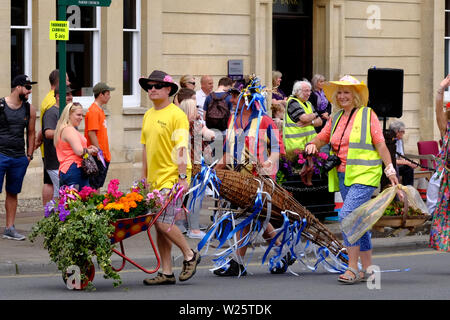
column 62, row 4
column 90, row 3
column 59, row 30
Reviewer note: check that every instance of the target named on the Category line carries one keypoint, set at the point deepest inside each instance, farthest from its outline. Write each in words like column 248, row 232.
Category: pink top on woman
column 324, row 135
column 66, row 155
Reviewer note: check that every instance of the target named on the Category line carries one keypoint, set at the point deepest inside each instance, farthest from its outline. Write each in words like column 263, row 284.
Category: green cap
column 102, row 87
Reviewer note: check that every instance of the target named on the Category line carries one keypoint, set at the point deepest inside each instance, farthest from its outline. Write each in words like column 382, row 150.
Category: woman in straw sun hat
column 359, row 149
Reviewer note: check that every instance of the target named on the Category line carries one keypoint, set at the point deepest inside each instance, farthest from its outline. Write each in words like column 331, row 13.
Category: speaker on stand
column 386, row 99
column 386, row 92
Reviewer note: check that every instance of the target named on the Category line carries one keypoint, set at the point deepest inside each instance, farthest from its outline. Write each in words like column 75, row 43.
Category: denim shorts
column 54, row 177
column 73, row 177
column 14, row 169
column 353, row 197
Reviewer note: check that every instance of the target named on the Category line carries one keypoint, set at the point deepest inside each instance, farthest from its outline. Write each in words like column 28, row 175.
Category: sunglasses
column 192, row 82
column 28, row 86
column 157, row 86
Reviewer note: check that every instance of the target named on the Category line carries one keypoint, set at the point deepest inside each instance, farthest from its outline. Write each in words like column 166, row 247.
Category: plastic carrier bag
column 365, row 216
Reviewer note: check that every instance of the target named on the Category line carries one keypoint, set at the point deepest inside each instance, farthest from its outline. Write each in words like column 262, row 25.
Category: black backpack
column 218, row 113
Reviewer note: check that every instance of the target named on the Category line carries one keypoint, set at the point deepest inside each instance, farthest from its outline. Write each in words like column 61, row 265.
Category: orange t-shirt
column 95, row 120
column 324, row 135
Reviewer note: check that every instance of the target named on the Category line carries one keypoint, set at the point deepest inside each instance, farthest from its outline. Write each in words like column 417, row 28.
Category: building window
column 83, row 51
column 131, row 49
column 20, row 37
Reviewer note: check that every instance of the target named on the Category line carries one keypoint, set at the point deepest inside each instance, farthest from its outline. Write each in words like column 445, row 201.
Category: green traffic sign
column 91, row 3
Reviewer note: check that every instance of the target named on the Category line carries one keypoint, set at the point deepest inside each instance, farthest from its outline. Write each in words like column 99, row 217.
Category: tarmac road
column 415, row 275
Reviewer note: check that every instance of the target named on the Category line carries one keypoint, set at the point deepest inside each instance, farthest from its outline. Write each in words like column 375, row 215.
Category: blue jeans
column 353, row 197
column 73, row 177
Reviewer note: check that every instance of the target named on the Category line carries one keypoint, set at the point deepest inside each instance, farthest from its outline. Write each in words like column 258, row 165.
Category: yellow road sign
column 59, row 30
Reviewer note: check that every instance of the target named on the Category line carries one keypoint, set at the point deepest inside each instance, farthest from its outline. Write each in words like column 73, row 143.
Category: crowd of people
column 230, row 124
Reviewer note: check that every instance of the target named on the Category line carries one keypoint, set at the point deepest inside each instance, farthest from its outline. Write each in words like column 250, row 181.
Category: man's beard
column 23, row 97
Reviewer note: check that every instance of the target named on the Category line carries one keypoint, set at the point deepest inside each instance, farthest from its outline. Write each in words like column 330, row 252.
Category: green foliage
column 78, row 226
column 84, row 234
column 395, row 208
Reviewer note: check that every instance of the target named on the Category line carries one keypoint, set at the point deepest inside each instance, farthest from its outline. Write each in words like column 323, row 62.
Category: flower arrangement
column 78, row 225
column 292, row 164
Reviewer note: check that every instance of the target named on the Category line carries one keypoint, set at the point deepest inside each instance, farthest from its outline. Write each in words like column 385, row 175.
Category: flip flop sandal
column 350, row 280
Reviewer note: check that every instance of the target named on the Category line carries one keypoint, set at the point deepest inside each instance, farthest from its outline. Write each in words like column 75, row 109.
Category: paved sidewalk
column 24, row 257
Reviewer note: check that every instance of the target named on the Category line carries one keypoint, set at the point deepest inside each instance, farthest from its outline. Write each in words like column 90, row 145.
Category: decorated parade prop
column 261, row 200
column 83, row 224
column 383, row 211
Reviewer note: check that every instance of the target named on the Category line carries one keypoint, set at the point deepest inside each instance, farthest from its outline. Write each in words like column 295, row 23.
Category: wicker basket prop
column 241, row 189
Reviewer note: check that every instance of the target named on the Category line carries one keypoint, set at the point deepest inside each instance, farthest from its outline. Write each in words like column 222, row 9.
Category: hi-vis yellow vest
column 295, row 137
column 363, row 160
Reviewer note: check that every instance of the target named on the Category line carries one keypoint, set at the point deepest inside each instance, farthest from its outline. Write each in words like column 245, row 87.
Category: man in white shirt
column 207, row 85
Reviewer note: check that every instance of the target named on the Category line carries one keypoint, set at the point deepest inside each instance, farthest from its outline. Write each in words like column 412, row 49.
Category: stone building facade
column 129, row 39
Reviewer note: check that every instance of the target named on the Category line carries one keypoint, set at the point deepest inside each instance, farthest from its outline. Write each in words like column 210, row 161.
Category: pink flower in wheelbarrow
column 86, row 192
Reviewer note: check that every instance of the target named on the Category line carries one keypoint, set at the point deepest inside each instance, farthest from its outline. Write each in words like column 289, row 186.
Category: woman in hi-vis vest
column 358, row 146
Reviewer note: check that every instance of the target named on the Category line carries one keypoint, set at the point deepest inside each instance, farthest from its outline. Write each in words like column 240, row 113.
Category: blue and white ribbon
column 225, row 230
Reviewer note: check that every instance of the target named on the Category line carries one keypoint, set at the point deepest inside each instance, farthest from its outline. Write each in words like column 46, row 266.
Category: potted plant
column 311, row 192
column 397, row 216
column 79, row 226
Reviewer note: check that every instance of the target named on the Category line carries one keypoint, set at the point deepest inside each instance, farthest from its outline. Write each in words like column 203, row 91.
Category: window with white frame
column 20, row 37
column 83, row 51
column 131, row 52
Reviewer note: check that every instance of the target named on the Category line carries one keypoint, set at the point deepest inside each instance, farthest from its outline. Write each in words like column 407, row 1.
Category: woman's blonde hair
column 357, row 100
column 275, row 75
column 190, row 109
column 64, row 119
column 185, row 79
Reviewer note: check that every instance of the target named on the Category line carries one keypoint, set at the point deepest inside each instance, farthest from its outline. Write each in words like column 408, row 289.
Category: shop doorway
column 292, row 41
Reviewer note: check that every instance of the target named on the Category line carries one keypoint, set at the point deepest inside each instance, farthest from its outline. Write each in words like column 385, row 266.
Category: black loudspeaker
column 386, row 91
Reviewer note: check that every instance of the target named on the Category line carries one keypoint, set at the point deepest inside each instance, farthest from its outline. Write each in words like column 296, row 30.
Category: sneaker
column 12, row 234
column 160, row 279
column 286, row 261
column 233, row 269
column 189, row 267
column 193, row 235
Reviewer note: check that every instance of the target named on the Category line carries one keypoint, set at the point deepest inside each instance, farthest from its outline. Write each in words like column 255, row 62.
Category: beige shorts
column 173, row 211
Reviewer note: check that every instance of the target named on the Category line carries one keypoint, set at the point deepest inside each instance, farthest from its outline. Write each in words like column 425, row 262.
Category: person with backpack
column 16, row 116
column 217, row 107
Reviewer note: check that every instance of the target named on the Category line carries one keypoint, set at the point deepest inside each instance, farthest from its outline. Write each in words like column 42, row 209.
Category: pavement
column 25, row 257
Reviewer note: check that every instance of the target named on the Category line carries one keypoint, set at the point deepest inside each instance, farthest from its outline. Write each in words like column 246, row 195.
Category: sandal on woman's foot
column 350, row 279
column 366, row 275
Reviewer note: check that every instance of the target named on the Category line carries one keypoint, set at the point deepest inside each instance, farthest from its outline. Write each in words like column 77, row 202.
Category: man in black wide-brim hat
column 165, row 162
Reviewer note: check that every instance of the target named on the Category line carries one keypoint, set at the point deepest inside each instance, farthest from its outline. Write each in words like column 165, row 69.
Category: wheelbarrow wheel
column 77, row 282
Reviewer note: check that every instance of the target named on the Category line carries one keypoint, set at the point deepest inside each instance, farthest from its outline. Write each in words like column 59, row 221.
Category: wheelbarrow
column 124, row 229
column 128, row 227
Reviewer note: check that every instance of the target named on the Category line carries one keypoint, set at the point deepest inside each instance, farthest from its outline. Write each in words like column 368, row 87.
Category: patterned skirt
column 440, row 227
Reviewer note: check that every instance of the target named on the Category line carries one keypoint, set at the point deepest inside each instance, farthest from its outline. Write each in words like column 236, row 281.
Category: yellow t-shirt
column 163, row 133
column 48, row 102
